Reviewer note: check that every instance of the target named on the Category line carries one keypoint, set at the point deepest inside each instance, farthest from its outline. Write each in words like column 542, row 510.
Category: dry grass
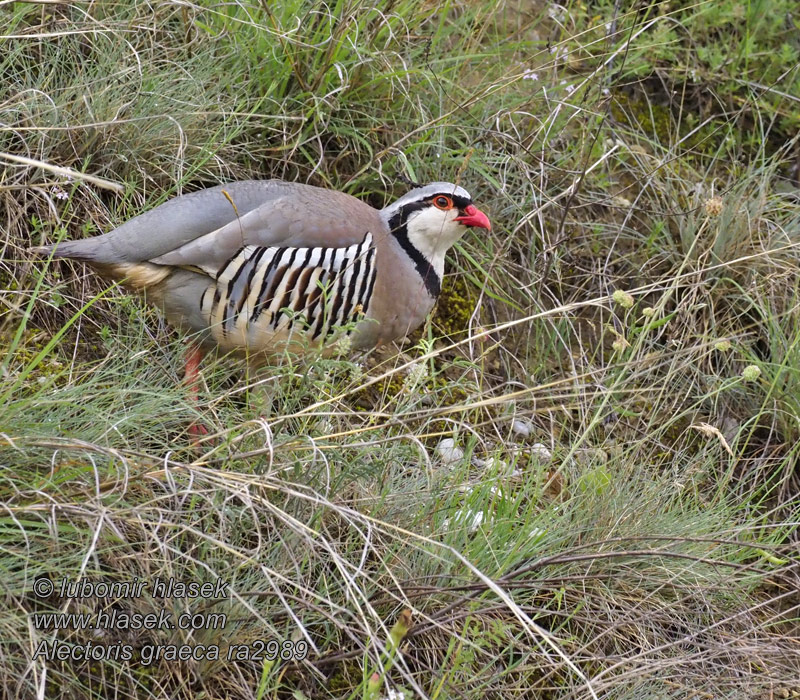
column 623, row 522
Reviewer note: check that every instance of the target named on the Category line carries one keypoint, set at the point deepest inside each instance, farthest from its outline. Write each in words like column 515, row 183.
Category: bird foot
column 199, row 435
column 198, row 430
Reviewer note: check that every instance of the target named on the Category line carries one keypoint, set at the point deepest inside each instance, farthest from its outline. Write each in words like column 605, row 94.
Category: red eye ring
column 442, row 202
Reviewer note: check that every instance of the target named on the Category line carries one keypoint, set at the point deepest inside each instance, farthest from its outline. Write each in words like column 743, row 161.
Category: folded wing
column 205, row 229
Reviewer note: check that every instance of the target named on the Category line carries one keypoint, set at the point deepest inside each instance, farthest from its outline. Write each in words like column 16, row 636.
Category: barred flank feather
column 269, row 291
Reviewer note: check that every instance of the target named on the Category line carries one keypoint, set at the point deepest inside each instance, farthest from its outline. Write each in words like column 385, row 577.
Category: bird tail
column 79, row 250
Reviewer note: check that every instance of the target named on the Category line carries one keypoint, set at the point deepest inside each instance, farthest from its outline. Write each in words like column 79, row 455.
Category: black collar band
column 398, row 225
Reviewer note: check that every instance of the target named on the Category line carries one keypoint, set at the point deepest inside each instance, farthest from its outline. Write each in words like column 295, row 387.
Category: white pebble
column 449, row 452
column 540, row 453
column 496, row 465
column 522, row 427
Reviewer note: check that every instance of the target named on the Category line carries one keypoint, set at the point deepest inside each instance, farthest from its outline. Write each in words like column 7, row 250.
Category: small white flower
column 449, row 452
column 557, row 12
column 416, row 374
column 537, row 533
column 392, row 694
column 471, row 518
column 530, row 75
column 344, row 345
column 59, row 193
column 570, row 89
column 608, row 27
column 606, row 91
column 356, row 371
column 620, row 344
column 325, row 427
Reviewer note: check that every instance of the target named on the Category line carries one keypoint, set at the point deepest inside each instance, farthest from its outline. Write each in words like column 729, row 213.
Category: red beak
column 474, row 217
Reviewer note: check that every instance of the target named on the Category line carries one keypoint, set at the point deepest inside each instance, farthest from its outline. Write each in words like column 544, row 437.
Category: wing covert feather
column 307, row 218
column 205, row 228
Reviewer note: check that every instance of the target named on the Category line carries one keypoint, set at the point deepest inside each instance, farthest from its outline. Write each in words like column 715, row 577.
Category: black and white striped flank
column 276, row 290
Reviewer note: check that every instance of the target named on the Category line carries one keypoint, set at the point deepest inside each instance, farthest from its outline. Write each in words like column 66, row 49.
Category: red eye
column 442, row 202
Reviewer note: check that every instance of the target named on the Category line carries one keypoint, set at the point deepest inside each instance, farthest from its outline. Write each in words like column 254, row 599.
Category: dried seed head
column 624, row 299
column 620, row 344
column 751, row 373
column 713, row 206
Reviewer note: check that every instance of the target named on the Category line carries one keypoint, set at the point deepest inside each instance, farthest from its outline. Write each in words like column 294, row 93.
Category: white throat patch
column 433, row 232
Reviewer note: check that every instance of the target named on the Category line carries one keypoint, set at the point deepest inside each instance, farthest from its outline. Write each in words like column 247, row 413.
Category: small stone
column 449, row 452
column 522, row 427
column 540, row 453
column 622, row 202
column 496, row 465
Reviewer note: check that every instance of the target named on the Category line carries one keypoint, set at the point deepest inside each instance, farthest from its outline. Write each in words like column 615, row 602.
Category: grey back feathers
column 258, row 266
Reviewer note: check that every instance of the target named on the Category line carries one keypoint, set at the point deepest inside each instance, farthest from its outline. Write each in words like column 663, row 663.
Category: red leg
column 194, row 356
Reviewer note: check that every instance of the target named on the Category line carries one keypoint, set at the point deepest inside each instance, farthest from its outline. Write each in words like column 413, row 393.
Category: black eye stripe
column 460, row 202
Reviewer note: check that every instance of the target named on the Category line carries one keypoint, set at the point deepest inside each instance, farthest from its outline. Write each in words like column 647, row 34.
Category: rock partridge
column 260, row 267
